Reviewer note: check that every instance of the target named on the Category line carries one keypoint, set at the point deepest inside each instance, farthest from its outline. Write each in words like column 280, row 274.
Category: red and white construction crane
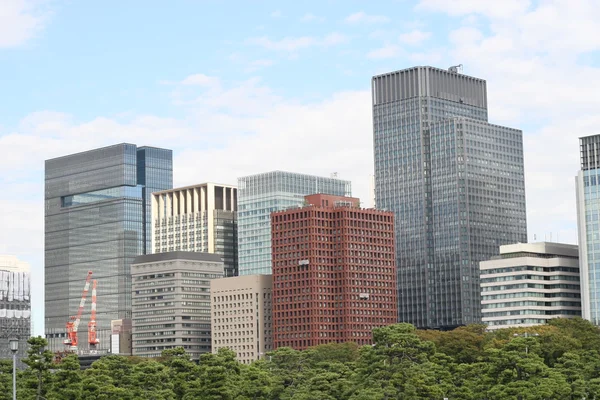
column 73, row 325
column 92, row 339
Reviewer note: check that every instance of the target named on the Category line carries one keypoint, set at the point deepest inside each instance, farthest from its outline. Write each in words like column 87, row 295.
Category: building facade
column 455, row 183
column 334, row 272
column 97, row 213
column 15, row 305
column 587, row 185
column 171, row 302
column 197, row 218
column 260, row 195
column 530, row 283
column 241, row 315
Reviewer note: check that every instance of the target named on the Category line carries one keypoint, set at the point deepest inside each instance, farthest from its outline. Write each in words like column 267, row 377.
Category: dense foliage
column 560, row 360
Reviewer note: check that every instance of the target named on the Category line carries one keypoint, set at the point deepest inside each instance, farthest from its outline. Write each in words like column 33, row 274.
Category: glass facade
column 96, row 208
column 260, row 195
column 588, row 223
column 456, row 184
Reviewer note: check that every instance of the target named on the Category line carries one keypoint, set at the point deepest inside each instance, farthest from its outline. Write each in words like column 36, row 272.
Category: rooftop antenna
column 334, row 174
column 457, row 69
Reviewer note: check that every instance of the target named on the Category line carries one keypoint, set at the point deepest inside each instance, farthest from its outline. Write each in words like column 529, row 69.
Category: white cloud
column 334, row 39
column 414, row 37
column 362, row 17
column 387, row 51
column 255, row 65
column 542, row 77
column 276, row 14
column 246, row 123
column 20, row 20
column 496, row 9
column 308, row 17
column 293, row 44
column 200, row 80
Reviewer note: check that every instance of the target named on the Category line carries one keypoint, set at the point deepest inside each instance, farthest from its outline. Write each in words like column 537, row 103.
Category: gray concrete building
column 241, row 315
column 97, row 218
column 529, row 283
column 171, row 302
column 455, row 183
column 197, row 218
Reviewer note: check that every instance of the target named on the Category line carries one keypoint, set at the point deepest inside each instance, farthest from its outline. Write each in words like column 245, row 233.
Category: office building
column 241, row 316
column 260, row 195
column 334, row 272
column 530, row 283
column 197, row 218
column 171, row 302
column 455, row 183
column 588, row 220
column 97, row 218
column 15, row 305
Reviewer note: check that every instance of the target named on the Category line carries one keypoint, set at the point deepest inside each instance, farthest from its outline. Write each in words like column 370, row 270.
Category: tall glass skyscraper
column 456, row 184
column 260, row 195
column 97, row 217
column 588, row 220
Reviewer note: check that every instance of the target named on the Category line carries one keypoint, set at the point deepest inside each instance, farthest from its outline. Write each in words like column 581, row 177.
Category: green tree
column 180, row 369
column 37, row 375
column 218, row 377
column 66, row 381
column 6, row 379
column 151, row 381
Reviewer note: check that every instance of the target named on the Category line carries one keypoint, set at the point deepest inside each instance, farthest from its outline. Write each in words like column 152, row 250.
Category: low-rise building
column 171, row 302
column 241, row 315
column 530, row 283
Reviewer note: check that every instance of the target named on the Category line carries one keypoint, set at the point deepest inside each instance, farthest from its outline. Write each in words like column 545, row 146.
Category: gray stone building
column 455, row 183
column 171, row 302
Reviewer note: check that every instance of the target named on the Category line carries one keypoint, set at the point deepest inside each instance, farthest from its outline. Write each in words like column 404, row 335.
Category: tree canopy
column 560, row 360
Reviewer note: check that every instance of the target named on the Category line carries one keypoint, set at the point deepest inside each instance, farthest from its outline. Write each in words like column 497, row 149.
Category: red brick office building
column 334, row 272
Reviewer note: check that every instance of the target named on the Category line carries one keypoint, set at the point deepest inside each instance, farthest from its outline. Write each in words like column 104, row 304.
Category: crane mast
column 73, row 324
column 92, row 338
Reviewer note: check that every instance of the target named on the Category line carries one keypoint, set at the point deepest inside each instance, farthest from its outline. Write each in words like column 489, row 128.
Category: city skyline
column 239, row 102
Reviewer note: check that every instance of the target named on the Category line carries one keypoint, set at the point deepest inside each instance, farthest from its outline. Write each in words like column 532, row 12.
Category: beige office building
column 530, row 283
column 200, row 218
column 241, row 315
column 171, row 302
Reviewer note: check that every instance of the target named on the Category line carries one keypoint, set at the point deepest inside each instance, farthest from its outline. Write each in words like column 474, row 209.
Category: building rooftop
column 177, row 255
column 195, row 186
column 558, row 249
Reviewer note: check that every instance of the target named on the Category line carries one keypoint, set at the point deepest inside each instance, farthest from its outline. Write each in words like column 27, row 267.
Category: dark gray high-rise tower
column 456, row 184
column 97, row 216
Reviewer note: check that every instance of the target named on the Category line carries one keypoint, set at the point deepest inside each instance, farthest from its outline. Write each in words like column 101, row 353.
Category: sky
column 242, row 87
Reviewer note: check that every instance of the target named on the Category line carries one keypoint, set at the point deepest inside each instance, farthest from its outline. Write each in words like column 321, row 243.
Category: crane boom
column 92, row 338
column 73, row 325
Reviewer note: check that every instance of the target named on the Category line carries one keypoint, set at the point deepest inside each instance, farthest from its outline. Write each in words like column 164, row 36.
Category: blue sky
column 242, row 87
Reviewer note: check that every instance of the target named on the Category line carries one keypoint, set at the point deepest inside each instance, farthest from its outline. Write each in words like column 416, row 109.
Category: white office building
column 530, row 283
